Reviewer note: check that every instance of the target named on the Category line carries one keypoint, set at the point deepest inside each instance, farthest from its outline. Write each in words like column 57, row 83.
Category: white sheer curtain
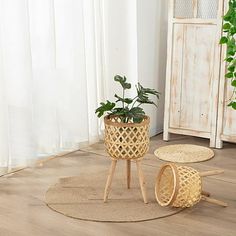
column 49, row 78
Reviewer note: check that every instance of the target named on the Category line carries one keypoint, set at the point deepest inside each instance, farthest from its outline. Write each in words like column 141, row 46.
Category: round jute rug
column 81, row 197
column 184, row 153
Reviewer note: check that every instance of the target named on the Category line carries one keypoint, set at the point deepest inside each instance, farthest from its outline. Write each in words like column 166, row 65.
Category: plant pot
column 126, row 140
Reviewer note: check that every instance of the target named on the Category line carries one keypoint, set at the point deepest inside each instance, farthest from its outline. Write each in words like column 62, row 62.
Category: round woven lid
column 184, row 153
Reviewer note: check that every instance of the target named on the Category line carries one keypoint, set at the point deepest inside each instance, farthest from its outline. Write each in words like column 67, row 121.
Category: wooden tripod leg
column 211, row 172
column 109, row 179
column 128, row 173
column 142, row 181
column 205, row 193
column 214, row 201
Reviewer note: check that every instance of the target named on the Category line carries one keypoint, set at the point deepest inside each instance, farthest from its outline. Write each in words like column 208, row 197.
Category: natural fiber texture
column 178, row 186
column 82, row 198
column 126, row 140
column 184, row 153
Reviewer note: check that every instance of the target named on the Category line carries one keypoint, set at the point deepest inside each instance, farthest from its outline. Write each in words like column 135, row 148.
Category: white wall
column 152, row 38
column 120, row 41
column 135, row 46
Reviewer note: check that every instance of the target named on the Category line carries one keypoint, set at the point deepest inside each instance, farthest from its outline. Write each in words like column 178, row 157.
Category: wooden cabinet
column 194, row 71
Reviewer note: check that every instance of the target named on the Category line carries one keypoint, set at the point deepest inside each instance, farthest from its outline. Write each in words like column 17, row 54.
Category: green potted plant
column 229, row 29
column 126, row 125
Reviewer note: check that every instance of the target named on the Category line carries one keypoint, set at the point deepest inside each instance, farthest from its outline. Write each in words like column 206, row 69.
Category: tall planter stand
column 126, row 141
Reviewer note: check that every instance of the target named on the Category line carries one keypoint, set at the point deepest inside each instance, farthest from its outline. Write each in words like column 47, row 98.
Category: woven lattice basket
column 181, row 186
column 126, row 140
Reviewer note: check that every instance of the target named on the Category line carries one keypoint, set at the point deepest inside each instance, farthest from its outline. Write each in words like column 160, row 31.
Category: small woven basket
column 126, row 140
column 181, row 186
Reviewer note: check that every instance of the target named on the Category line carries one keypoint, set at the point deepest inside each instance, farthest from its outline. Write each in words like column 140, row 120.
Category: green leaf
column 228, row 15
column 223, row 40
column 137, row 113
column 120, row 111
column 108, row 106
column 137, row 119
column 233, row 105
column 229, row 75
column 146, row 101
column 232, row 30
column 233, row 83
column 227, row 18
column 144, row 93
column 230, row 53
column 227, row 26
column 231, row 68
column 232, row 42
column 148, row 90
column 125, row 100
column 122, row 81
column 229, row 59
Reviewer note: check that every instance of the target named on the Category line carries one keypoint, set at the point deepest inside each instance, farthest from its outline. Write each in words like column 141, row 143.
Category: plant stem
column 134, row 101
column 123, row 104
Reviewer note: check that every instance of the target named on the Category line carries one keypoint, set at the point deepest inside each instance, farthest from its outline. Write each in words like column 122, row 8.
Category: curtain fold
column 48, row 83
column 57, row 63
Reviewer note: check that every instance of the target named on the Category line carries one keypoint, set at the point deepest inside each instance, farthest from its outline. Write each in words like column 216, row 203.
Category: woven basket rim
column 176, row 184
column 107, row 121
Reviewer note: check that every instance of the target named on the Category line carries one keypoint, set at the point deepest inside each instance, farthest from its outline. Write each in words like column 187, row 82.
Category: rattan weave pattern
column 178, row 186
column 126, row 140
column 190, row 187
column 184, row 153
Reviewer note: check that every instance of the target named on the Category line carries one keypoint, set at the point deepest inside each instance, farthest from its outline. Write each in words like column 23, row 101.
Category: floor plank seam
column 145, row 164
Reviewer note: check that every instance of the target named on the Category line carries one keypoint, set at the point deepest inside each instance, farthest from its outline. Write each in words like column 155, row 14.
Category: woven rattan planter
column 126, row 140
column 181, row 186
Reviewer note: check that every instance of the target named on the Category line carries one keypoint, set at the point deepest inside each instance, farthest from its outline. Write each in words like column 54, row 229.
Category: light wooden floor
column 23, row 212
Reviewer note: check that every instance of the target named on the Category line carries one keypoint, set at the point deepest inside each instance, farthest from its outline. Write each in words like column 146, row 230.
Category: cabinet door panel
column 177, row 63
column 192, row 76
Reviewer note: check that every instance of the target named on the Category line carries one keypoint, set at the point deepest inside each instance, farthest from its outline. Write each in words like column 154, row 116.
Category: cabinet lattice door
column 193, row 68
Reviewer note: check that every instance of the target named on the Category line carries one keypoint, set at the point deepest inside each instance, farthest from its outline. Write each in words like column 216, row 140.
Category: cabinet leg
column 212, row 143
column 142, row 181
column 109, row 179
column 128, row 173
column 166, row 135
column 219, row 144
